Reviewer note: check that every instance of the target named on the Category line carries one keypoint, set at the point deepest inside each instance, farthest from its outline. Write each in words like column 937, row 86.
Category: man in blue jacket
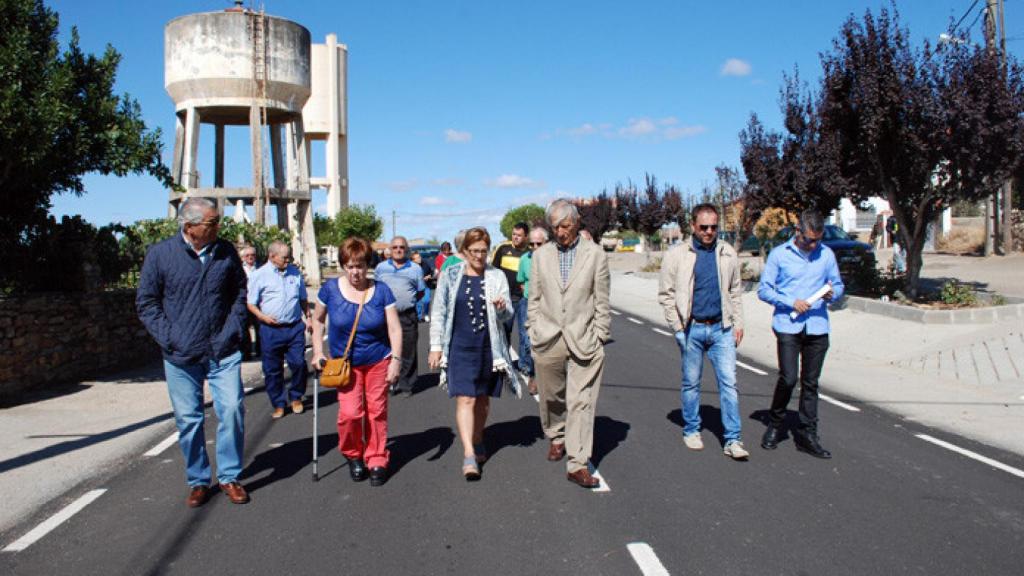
column 794, row 272
column 191, row 298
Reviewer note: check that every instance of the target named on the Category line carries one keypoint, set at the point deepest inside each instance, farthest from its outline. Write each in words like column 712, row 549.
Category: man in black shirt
column 506, row 257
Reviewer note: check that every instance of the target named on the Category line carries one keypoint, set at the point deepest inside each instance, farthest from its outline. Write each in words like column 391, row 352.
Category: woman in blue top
column 468, row 344
column 375, row 355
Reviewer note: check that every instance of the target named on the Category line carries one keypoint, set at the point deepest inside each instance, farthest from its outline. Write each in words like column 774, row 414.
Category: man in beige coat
column 702, row 295
column 569, row 322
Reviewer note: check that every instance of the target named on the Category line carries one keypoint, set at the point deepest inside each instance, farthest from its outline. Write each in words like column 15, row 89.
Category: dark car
column 427, row 251
column 850, row 254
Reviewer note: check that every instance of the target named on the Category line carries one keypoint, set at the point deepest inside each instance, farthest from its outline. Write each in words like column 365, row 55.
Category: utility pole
column 1008, row 185
column 993, row 10
column 394, row 231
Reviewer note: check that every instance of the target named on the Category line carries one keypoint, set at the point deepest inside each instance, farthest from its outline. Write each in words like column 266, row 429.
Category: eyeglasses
column 477, row 252
column 708, row 227
column 536, row 243
column 399, row 247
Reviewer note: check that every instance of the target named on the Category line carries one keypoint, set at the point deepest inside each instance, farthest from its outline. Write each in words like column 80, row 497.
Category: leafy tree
column 59, row 119
column 599, row 214
column 357, row 220
column 650, row 211
column 531, row 214
column 922, row 128
column 628, row 201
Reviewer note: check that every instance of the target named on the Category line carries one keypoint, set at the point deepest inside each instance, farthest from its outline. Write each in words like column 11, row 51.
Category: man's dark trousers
column 410, row 337
column 278, row 343
column 801, row 357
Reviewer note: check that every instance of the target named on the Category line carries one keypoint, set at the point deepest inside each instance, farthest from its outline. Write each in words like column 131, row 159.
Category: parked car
column 850, row 254
column 427, row 251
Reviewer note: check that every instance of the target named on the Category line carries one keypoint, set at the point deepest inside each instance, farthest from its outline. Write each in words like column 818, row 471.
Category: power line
column 952, row 31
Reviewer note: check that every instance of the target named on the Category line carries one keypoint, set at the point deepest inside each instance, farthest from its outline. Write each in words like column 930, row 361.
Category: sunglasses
column 536, row 243
column 399, row 247
column 708, row 227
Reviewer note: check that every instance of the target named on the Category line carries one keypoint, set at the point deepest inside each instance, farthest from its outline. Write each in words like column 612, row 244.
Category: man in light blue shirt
column 277, row 298
column 405, row 279
column 793, row 273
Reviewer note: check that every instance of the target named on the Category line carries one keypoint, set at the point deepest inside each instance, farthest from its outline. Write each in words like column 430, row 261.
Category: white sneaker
column 736, row 451
column 693, row 441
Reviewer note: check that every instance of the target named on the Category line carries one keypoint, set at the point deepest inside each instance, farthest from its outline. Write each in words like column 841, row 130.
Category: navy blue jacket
column 194, row 311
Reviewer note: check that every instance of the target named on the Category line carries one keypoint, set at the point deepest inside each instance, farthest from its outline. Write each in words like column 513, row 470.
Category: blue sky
column 460, row 110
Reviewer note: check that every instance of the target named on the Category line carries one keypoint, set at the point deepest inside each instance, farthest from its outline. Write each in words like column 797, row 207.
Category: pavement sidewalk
column 863, row 364
column 52, row 443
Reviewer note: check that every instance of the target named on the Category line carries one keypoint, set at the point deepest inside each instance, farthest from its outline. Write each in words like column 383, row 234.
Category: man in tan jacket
column 569, row 322
column 702, row 294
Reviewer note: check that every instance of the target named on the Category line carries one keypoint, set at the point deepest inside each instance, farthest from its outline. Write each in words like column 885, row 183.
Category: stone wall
column 53, row 338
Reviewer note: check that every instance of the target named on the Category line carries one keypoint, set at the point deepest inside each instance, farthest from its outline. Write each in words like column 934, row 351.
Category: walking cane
column 316, row 408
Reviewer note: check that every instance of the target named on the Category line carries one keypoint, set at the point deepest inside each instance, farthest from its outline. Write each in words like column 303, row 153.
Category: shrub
column 954, row 293
column 962, row 241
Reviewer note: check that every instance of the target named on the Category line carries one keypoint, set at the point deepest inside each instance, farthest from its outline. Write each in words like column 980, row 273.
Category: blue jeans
column 423, row 305
column 525, row 352
column 282, row 343
column 185, row 386
column 720, row 347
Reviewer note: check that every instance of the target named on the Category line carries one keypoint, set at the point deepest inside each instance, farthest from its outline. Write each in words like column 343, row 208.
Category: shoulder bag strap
column 355, row 325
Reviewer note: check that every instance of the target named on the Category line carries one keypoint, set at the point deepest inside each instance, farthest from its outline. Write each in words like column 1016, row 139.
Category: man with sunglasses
column 538, row 238
column 191, row 298
column 701, row 292
column 793, row 273
column 405, row 279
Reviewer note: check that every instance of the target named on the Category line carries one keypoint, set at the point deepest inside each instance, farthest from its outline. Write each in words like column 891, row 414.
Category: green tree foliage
column 360, row 221
column 922, row 128
column 531, row 214
column 59, row 120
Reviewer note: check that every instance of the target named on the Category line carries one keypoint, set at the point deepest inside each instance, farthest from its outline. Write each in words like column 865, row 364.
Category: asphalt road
column 887, row 503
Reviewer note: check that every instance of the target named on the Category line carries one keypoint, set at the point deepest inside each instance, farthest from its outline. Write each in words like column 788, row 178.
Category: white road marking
column 276, row 444
column 603, row 487
column 616, row 312
column 536, row 397
column 973, row 455
column 660, row 331
column 751, row 368
column 163, row 445
column 54, row 521
column 247, row 389
column 646, row 559
column 635, row 321
column 839, row 403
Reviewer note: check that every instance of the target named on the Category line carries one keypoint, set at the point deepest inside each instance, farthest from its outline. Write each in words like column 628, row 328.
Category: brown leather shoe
column 277, row 414
column 556, row 451
column 235, row 492
column 584, row 478
column 197, row 496
column 297, row 407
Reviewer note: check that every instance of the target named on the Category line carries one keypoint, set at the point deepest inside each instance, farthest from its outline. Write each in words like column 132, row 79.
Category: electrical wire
column 952, row 31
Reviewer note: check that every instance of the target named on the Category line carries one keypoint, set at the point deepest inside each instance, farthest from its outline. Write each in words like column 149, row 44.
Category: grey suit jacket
column 578, row 311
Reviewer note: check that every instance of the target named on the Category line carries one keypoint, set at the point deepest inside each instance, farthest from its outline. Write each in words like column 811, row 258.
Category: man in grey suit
column 568, row 321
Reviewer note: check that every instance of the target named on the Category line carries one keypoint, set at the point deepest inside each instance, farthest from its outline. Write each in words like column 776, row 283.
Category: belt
column 707, row 321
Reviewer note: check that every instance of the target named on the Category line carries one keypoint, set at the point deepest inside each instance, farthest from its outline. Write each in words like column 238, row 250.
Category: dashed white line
column 635, row 321
column 163, row 445
column 603, row 487
column 54, row 521
column 646, row 559
column 616, row 312
column 536, row 397
column 660, row 331
column 839, row 403
column 973, row 455
column 751, row 368
column 247, row 389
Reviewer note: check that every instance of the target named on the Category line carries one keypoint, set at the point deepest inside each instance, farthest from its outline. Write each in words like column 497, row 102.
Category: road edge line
column 51, row 523
column 972, row 455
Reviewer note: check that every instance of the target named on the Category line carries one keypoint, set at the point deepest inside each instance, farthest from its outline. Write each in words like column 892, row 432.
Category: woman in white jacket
column 468, row 343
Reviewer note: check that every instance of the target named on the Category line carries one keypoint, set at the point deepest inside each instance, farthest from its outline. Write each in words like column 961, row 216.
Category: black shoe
column 378, row 476
column 770, row 440
column 357, row 469
column 809, row 443
column 394, row 389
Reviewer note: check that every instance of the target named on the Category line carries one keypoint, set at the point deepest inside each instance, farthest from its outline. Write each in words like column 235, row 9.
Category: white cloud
column 402, row 185
column 435, row 201
column 638, row 127
column 513, row 181
column 457, row 136
column 735, row 67
column 677, row 132
column 585, row 129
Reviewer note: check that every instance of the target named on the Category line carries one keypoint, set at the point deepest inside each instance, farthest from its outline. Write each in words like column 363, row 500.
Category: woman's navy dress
column 470, row 362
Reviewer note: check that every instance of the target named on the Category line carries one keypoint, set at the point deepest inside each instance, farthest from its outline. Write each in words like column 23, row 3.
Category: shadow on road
column 608, row 434
column 790, row 422
column 285, row 460
column 523, row 432
column 408, row 447
column 710, row 420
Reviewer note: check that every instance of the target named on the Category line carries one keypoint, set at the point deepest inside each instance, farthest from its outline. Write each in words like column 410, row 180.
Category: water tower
column 244, row 68
column 326, row 119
